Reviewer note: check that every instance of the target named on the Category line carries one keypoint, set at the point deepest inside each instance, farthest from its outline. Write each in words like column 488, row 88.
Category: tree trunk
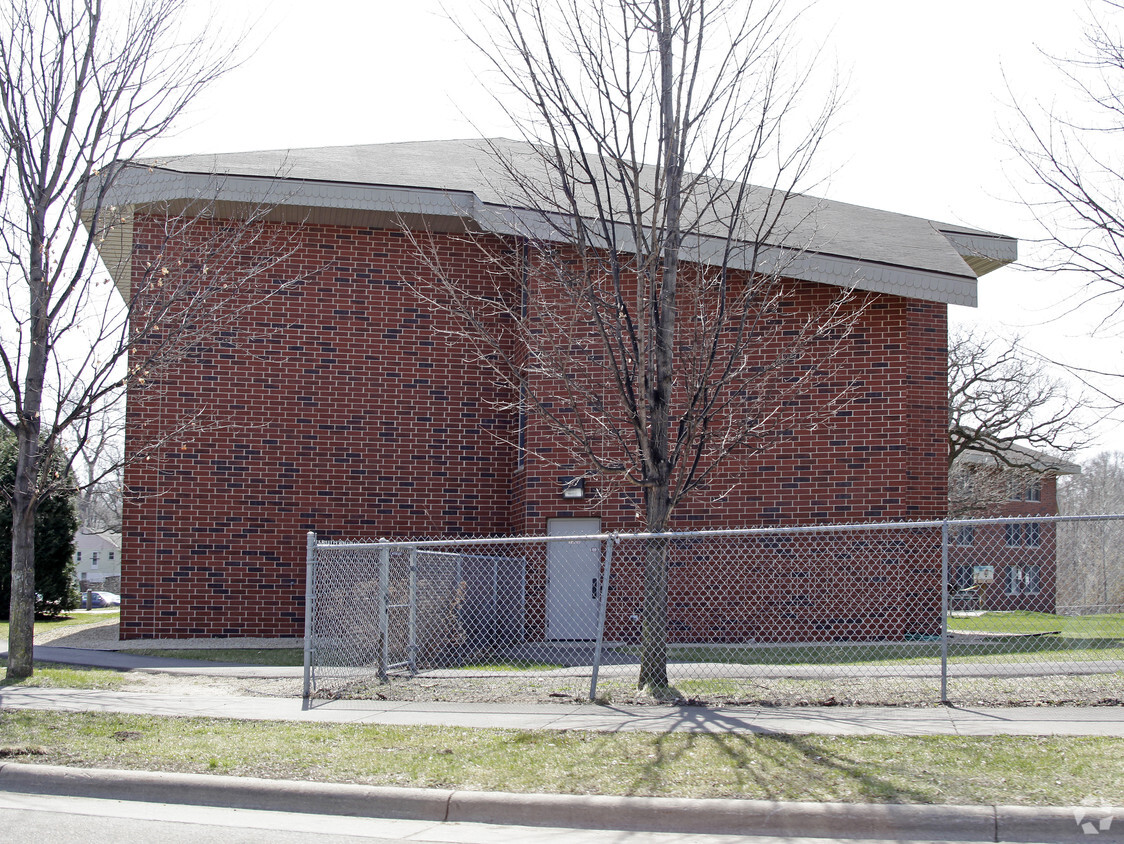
column 653, row 614
column 658, row 468
column 21, row 630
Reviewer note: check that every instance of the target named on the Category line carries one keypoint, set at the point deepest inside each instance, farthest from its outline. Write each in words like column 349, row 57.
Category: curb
column 649, row 814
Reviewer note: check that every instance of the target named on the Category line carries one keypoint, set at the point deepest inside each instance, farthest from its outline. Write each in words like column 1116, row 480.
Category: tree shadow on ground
column 815, row 767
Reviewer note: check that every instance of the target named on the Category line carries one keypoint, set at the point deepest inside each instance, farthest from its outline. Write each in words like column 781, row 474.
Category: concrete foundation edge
column 653, row 814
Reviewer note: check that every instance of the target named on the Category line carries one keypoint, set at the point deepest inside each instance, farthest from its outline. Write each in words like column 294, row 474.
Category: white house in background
column 97, row 559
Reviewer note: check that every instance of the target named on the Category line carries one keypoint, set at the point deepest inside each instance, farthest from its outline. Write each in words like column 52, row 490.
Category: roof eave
column 383, row 205
column 984, row 252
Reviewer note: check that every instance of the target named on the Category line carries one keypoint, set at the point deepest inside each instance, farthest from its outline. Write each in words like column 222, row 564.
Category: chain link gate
column 875, row 613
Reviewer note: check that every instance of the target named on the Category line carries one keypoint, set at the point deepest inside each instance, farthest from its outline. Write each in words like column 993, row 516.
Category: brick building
column 1011, row 565
column 353, row 409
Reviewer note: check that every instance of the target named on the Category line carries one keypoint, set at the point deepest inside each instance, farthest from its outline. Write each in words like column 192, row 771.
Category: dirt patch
column 102, row 635
column 544, row 687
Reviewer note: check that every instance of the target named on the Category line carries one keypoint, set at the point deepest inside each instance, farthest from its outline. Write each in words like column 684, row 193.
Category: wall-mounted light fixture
column 573, row 488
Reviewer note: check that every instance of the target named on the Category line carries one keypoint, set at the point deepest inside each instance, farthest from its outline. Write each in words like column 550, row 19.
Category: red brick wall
column 882, row 457
column 999, row 547
column 341, row 408
column 346, row 407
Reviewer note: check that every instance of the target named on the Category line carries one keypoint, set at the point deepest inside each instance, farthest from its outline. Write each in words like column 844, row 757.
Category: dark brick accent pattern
column 343, row 405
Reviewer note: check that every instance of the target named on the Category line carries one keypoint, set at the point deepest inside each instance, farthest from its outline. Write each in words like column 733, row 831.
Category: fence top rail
column 387, row 544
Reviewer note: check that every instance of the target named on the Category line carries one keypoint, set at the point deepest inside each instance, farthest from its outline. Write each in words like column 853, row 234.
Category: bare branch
column 84, row 91
column 1074, row 173
column 640, row 311
column 1004, row 402
column 1010, row 421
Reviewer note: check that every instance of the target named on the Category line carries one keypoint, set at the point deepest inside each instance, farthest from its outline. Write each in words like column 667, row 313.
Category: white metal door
column 573, row 572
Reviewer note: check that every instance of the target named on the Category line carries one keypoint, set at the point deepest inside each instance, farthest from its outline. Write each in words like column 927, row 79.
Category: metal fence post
column 412, row 652
column 383, row 611
column 494, row 638
column 723, row 615
column 944, row 612
column 601, row 617
column 309, row 600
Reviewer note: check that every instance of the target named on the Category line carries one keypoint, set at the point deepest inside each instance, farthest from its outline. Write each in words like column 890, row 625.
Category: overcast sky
column 922, row 133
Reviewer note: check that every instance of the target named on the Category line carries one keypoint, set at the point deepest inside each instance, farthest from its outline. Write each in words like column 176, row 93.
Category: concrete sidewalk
column 834, row 821
column 842, row 720
column 839, row 720
column 895, row 822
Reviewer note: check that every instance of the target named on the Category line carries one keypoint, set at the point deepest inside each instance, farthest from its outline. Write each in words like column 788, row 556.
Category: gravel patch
column 100, row 635
column 1085, row 690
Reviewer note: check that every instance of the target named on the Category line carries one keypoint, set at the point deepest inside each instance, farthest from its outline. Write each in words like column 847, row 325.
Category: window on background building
column 962, row 577
column 1021, row 490
column 963, row 481
column 525, row 279
column 111, row 556
column 79, row 557
column 1022, row 580
column 1029, row 533
column 1014, row 534
column 94, row 559
column 966, row 535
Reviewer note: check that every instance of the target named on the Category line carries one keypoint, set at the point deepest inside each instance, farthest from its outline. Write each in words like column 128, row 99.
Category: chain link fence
column 879, row 613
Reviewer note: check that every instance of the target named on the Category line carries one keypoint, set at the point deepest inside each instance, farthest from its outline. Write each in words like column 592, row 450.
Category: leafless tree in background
column 86, row 86
column 1073, row 178
column 98, row 467
column 1005, row 405
column 645, row 319
column 1091, row 554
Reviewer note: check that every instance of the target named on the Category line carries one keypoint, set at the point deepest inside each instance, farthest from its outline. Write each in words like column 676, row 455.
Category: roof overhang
column 982, row 251
column 1016, row 457
column 137, row 187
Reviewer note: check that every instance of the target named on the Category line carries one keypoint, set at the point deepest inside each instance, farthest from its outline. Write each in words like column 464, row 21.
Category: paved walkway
column 715, row 817
column 842, row 720
column 839, row 720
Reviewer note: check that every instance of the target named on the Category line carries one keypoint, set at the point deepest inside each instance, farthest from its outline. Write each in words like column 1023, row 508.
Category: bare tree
column 1091, row 554
column 1001, row 396
column 98, row 466
column 1071, row 155
column 84, row 90
column 1009, row 416
column 643, row 315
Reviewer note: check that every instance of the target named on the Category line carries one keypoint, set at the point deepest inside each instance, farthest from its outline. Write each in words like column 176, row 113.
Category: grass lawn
column 48, row 675
column 1079, row 638
column 982, row 770
column 1104, row 626
column 511, row 666
column 885, row 653
column 1083, row 638
column 66, row 620
column 1097, row 637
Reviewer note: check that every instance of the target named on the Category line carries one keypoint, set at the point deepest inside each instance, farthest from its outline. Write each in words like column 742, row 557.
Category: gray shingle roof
column 840, row 243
